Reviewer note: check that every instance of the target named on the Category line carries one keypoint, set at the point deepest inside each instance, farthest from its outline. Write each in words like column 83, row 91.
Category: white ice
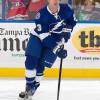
column 70, row 89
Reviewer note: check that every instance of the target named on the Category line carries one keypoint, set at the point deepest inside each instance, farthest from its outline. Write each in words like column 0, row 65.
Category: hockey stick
column 59, row 80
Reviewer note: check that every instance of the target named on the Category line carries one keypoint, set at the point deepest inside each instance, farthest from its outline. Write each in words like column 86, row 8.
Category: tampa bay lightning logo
column 57, row 27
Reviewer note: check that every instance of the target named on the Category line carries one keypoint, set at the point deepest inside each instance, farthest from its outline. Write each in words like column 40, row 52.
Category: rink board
column 83, row 59
column 53, row 73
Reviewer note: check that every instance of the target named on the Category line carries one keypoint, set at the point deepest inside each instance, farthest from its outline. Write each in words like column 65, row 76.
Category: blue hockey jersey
column 56, row 25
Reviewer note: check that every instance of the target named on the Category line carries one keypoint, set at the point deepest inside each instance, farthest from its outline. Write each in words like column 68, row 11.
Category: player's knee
column 31, row 62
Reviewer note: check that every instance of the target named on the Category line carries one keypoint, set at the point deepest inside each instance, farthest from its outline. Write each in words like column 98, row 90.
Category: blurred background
column 27, row 9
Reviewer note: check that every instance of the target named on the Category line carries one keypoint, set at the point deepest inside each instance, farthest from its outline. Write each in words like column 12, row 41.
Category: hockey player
column 53, row 24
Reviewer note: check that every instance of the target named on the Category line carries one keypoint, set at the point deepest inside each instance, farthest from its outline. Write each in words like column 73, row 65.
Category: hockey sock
column 30, row 76
column 39, row 77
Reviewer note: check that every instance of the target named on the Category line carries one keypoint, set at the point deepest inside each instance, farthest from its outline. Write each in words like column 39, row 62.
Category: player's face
column 54, row 2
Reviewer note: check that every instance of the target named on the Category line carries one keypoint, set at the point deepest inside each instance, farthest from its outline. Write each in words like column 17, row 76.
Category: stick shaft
column 59, row 80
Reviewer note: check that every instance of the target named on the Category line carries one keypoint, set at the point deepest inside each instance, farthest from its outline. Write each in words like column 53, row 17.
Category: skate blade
column 28, row 98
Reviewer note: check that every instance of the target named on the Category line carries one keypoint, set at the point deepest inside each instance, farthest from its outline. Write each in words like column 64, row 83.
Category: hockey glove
column 61, row 52
column 59, row 49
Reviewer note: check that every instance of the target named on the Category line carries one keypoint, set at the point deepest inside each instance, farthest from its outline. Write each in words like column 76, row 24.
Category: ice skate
column 29, row 92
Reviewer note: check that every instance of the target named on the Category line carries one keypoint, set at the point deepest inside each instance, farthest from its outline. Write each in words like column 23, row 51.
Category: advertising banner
column 13, row 41
column 83, row 47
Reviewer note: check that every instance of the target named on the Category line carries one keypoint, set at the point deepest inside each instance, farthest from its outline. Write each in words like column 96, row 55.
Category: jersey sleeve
column 70, row 20
column 41, row 24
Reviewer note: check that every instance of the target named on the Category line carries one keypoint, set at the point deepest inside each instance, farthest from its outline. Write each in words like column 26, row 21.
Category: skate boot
column 29, row 92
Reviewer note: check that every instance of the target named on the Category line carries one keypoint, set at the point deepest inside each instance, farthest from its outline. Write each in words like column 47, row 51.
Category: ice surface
column 70, row 89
